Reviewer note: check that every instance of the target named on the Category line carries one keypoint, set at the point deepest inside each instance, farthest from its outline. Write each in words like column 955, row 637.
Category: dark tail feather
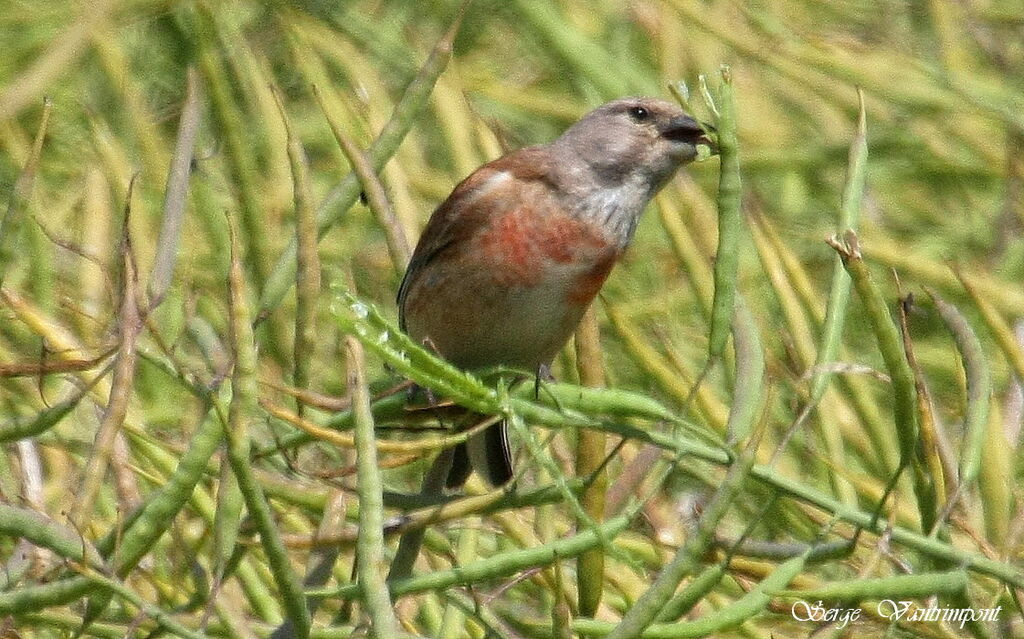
column 461, row 468
column 490, row 455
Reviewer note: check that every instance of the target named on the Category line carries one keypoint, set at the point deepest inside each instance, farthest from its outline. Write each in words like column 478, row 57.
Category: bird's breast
column 529, row 248
column 514, row 294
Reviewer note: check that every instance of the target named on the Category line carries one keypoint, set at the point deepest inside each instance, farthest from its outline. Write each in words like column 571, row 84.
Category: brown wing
column 462, row 215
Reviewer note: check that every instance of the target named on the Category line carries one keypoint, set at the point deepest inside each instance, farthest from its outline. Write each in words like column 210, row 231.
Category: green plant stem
column 730, row 217
column 344, row 195
column 370, row 545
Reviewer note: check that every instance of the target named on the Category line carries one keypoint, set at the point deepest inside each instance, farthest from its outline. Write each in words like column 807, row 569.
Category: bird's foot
column 543, row 374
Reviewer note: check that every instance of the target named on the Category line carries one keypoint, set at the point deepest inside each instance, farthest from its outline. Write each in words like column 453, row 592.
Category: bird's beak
column 686, row 129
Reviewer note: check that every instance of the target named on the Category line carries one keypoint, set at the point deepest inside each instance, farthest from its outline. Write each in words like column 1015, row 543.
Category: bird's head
column 628, row 139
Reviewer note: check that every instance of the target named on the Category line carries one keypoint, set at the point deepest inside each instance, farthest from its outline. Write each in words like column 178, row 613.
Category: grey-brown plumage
column 507, row 265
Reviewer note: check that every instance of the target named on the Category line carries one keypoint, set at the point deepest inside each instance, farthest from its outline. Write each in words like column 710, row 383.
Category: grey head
column 618, row 156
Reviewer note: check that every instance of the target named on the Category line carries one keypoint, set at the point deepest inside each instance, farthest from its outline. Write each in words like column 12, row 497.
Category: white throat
column 616, row 209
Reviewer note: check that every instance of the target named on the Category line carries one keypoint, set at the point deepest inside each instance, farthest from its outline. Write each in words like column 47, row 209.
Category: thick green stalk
column 243, row 408
column 370, row 544
column 730, row 217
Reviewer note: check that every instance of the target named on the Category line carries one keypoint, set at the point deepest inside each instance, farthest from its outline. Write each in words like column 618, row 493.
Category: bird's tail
column 487, row 453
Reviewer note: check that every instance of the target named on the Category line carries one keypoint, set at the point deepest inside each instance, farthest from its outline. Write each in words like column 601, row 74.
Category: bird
column 506, row 266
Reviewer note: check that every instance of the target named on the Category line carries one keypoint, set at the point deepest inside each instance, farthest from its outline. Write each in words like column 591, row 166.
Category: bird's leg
column 454, row 461
column 416, row 388
column 543, row 375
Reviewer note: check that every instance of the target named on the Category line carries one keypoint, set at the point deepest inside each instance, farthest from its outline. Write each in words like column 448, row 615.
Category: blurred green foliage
column 944, row 90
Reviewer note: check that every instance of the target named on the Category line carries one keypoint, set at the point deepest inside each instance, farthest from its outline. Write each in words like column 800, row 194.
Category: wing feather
column 464, row 212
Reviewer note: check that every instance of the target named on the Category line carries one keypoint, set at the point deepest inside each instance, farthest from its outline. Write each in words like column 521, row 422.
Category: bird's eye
column 639, row 113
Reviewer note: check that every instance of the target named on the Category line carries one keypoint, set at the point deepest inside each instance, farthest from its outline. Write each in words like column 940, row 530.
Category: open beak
column 686, row 129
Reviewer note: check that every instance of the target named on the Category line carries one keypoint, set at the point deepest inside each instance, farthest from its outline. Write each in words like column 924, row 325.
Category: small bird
column 507, row 265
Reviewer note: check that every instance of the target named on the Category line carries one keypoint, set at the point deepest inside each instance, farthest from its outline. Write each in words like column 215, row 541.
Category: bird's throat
column 614, row 209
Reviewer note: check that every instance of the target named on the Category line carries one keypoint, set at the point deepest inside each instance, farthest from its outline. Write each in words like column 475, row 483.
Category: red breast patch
column 524, row 243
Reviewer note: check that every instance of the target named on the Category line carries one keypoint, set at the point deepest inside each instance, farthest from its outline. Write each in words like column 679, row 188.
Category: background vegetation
column 154, row 474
